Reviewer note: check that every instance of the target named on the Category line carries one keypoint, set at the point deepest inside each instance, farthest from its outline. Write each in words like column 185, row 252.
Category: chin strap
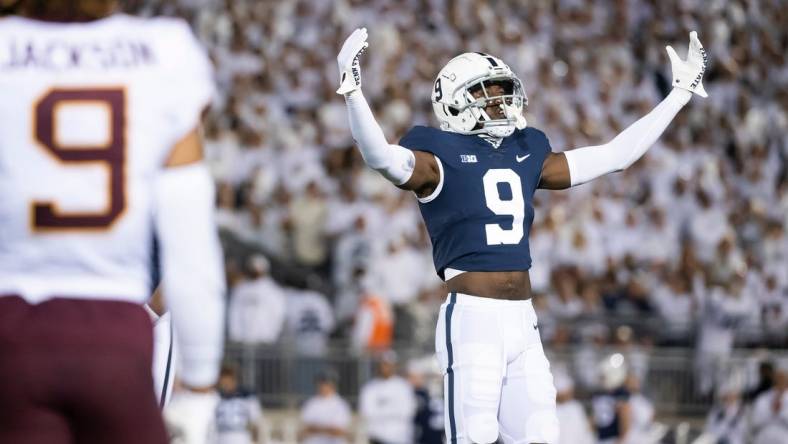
column 520, row 123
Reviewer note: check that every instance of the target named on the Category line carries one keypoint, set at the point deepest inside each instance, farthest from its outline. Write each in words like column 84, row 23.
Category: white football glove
column 349, row 70
column 689, row 74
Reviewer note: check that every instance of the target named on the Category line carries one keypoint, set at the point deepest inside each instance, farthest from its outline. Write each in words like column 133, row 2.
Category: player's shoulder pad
column 536, row 138
column 420, row 137
column 533, row 132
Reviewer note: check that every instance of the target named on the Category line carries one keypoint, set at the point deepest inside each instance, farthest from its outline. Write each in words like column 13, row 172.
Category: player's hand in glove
column 688, row 74
column 349, row 70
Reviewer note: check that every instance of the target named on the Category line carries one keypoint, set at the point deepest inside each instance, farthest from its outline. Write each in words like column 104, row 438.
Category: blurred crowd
column 687, row 247
column 402, row 404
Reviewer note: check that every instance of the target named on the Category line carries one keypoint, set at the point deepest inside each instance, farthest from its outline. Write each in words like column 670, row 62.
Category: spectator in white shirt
column 722, row 309
column 238, row 415
column 774, row 310
column 661, row 244
column 399, row 260
column 387, row 404
column 575, row 426
column 769, row 418
column 308, row 214
column 727, row 420
column 566, row 304
column 256, row 311
column 310, row 320
column 675, row 306
column 708, row 226
column 643, row 428
column 325, row 417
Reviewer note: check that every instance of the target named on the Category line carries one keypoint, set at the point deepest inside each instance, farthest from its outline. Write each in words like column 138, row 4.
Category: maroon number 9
column 111, row 154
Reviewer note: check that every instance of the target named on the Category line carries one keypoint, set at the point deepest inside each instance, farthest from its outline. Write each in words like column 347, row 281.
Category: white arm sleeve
column 394, row 162
column 590, row 162
column 192, row 277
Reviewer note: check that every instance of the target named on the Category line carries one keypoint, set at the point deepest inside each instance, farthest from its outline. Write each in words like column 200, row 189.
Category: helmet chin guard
column 458, row 110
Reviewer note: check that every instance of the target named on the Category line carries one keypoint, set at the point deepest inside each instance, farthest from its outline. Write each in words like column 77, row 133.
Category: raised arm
column 410, row 170
column 578, row 166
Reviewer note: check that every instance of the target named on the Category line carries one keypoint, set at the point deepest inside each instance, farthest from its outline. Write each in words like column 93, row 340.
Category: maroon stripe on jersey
column 77, row 371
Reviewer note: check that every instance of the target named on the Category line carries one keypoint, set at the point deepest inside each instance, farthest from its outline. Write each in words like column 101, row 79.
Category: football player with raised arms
column 475, row 178
column 100, row 152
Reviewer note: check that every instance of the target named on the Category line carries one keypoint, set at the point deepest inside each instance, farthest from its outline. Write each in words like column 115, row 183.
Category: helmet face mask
column 469, row 88
column 511, row 104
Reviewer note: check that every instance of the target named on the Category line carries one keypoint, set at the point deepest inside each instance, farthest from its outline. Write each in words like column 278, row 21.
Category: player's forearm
column 394, row 162
column 590, row 162
column 193, row 280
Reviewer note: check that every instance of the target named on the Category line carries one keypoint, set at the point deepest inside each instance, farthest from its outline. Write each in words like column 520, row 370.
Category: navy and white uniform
column 607, row 421
column 236, row 413
column 480, row 215
column 497, row 380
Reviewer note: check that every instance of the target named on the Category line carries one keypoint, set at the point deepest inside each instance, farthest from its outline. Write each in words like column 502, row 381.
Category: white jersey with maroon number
column 88, row 116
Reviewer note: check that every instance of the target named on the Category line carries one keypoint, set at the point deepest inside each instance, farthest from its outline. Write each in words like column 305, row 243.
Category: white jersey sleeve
column 191, row 87
column 193, row 281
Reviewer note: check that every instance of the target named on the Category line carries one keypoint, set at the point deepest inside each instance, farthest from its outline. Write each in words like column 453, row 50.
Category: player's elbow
column 395, row 163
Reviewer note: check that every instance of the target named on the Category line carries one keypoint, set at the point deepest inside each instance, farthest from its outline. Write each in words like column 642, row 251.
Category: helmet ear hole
column 454, row 111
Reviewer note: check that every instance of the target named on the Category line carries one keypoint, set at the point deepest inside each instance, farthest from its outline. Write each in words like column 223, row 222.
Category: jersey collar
column 494, row 141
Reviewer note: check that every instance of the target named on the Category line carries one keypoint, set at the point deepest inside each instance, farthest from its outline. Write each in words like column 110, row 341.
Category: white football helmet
column 460, row 112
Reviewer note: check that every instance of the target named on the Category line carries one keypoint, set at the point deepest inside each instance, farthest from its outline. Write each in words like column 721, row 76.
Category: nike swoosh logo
column 520, row 159
column 536, row 327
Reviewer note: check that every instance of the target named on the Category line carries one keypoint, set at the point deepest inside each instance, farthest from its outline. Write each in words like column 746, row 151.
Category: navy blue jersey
column 482, row 214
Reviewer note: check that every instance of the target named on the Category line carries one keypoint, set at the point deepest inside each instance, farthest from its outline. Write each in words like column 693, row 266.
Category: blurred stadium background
column 680, row 264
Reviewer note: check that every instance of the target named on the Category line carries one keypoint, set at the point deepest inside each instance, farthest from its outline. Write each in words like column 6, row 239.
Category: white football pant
column 496, row 377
